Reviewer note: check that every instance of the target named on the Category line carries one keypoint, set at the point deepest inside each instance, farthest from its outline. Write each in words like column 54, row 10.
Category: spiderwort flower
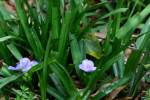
column 87, row 66
column 24, row 65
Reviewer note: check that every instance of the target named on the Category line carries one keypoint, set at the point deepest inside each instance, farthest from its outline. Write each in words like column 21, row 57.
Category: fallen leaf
column 114, row 93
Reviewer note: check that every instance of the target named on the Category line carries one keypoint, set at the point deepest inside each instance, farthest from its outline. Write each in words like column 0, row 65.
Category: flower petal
column 12, row 68
column 87, row 62
column 33, row 63
column 91, row 69
column 29, row 66
column 87, row 66
column 18, row 67
column 24, row 62
column 24, row 65
column 82, row 67
column 26, row 68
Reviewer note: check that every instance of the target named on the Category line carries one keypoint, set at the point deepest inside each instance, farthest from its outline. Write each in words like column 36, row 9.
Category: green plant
column 60, row 34
column 147, row 97
column 24, row 94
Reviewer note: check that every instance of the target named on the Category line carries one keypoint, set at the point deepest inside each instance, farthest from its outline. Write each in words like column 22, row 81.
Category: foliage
column 24, row 94
column 59, row 34
column 147, row 97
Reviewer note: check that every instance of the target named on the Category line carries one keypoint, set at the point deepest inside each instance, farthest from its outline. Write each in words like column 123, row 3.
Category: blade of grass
column 54, row 93
column 95, row 7
column 30, row 34
column 6, row 55
column 135, row 56
column 119, row 10
column 132, row 23
column 132, row 61
column 67, row 23
column 113, row 86
column 142, row 44
column 98, row 17
column 63, row 75
column 7, row 80
column 46, row 24
column 108, row 5
column 13, row 49
column 133, row 9
column 45, row 67
column 56, row 18
column 76, row 54
column 58, row 84
column 121, row 65
column 2, row 39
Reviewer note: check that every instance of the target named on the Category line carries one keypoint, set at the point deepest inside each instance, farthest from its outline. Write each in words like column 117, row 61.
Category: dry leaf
column 10, row 5
column 114, row 93
column 125, row 98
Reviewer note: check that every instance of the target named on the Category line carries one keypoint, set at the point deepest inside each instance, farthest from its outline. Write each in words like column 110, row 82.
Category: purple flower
column 87, row 66
column 24, row 65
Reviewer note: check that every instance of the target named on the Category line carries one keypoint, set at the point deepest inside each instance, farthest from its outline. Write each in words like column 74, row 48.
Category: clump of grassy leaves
column 59, row 34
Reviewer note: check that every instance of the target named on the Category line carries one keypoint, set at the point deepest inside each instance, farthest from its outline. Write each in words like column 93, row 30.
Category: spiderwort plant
column 24, row 65
column 55, row 32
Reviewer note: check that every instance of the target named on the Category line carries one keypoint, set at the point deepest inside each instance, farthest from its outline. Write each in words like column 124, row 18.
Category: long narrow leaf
column 62, row 74
column 5, row 81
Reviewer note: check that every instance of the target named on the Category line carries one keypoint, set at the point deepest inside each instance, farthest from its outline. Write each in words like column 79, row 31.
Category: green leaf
column 66, row 25
column 2, row 39
column 132, row 23
column 109, row 89
column 58, row 84
column 31, row 35
column 121, row 65
column 75, row 51
column 132, row 60
column 52, row 91
column 95, row 7
column 141, row 42
column 40, row 65
column 55, row 18
column 65, row 78
column 7, row 80
column 119, row 10
column 36, row 68
column 45, row 64
column 147, row 66
column 12, row 48
column 93, row 48
column 142, row 45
